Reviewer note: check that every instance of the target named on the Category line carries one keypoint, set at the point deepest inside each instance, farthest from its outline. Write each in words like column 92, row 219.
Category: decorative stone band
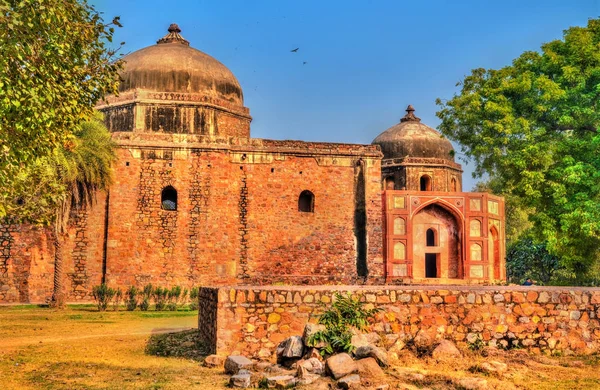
column 421, row 161
column 141, row 96
column 253, row 320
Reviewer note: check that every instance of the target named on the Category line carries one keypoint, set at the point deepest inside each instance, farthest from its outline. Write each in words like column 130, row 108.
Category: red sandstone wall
column 253, row 320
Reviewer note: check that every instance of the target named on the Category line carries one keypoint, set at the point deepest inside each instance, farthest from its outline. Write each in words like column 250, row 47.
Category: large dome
column 173, row 66
column 411, row 138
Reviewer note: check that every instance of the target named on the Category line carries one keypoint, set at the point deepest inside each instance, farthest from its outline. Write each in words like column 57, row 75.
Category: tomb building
column 197, row 201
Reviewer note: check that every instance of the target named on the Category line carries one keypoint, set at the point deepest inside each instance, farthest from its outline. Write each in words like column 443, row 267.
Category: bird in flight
column 295, row 50
column 305, row 62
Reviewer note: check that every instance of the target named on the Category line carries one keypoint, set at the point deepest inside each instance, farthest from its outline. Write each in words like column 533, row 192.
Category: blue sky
column 365, row 60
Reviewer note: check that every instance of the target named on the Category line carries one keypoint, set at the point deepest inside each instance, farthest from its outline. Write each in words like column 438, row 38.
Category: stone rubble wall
column 252, row 320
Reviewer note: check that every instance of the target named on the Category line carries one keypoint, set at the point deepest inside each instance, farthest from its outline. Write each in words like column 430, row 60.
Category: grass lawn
column 81, row 348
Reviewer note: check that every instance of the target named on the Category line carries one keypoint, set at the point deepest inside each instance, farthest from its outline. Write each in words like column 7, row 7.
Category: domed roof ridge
column 411, row 138
column 172, row 65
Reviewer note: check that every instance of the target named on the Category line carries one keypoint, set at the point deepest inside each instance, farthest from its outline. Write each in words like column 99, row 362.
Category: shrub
column 132, row 298
column 345, row 313
column 103, row 295
column 146, row 295
column 194, row 298
column 184, row 297
column 173, row 297
column 118, row 299
column 160, row 298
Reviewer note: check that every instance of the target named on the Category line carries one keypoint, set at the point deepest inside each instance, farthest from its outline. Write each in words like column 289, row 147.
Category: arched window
column 425, row 183
column 475, row 228
column 475, row 252
column 453, row 184
column 399, row 251
column 430, row 237
column 168, row 199
column 306, row 202
column 399, row 226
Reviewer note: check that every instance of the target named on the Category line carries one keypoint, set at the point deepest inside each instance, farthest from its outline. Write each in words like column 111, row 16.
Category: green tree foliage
column 533, row 126
column 54, row 67
column 526, row 259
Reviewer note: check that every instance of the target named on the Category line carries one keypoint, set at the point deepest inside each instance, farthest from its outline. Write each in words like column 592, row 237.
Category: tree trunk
column 58, row 296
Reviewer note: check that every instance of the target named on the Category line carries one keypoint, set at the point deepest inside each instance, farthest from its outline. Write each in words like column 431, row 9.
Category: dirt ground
column 81, row 348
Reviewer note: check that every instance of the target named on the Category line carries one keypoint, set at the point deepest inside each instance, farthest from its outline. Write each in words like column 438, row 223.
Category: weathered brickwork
column 253, row 320
column 237, row 220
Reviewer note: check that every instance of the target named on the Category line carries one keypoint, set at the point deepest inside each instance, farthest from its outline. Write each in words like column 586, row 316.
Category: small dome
column 411, row 138
column 173, row 66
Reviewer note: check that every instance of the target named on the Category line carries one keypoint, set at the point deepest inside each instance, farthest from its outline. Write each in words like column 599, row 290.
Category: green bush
column 132, row 298
column 118, row 299
column 160, row 298
column 173, row 297
column 146, row 295
column 345, row 313
column 194, row 298
column 103, row 295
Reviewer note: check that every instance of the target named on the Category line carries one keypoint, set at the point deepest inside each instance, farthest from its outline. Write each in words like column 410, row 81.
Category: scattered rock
column 240, row 380
column 341, row 365
column 263, row 366
column 235, row 363
column 281, row 381
column 446, row 349
column 348, row 381
column 311, row 329
column 422, row 341
column 307, row 379
column 382, row 387
column 313, row 353
column 293, row 347
column 312, row 365
column 473, row 383
column 373, row 338
column 368, row 368
column 493, row 367
column 371, row 351
column 359, row 340
column 214, row 361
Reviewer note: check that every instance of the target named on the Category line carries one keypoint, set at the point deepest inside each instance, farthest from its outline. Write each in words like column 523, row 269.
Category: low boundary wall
column 252, row 320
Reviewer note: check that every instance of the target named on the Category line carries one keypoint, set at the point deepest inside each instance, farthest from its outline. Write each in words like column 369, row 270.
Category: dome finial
column 410, row 115
column 173, row 36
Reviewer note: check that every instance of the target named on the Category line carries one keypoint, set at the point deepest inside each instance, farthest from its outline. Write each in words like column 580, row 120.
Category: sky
column 359, row 62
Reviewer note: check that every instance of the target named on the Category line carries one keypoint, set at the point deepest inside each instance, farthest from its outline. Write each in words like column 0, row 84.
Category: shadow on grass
column 184, row 344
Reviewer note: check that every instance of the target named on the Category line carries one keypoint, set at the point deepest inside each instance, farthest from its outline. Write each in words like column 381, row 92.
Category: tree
column 526, row 259
column 54, row 67
column 82, row 169
column 533, row 127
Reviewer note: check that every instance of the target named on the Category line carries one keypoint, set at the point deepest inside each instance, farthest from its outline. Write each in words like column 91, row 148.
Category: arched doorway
column 436, row 243
column 494, row 250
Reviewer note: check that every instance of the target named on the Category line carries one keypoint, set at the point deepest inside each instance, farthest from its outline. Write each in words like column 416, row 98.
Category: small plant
column 160, row 298
column 173, row 297
column 476, row 345
column 103, row 295
column 184, row 297
column 118, row 299
column 146, row 295
column 194, row 298
column 132, row 298
column 345, row 313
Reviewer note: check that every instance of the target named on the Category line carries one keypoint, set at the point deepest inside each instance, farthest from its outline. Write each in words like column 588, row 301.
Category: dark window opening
column 389, row 183
column 306, row 202
column 430, row 237
column 425, row 183
column 430, row 265
column 168, row 199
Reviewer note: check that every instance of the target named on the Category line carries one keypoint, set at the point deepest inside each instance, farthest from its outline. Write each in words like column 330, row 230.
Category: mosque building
column 197, row 201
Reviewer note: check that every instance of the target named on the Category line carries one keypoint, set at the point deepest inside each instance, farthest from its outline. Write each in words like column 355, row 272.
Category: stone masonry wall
column 253, row 320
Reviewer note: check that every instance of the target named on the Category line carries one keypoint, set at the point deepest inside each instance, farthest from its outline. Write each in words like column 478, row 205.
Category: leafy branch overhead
column 533, row 127
column 55, row 65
